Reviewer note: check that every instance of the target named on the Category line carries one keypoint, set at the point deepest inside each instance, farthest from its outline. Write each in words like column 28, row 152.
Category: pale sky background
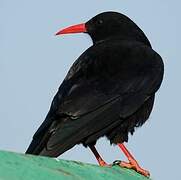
column 33, row 63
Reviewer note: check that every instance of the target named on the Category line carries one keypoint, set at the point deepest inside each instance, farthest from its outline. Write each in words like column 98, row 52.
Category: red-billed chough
column 108, row 91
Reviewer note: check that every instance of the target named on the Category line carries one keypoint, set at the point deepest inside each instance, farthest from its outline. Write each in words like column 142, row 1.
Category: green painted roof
column 15, row 166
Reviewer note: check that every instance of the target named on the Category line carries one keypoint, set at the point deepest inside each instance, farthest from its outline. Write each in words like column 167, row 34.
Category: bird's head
column 108, row 25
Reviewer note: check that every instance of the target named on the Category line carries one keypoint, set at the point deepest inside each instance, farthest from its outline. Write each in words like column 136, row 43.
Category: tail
column 41, row 137
column 55, row 136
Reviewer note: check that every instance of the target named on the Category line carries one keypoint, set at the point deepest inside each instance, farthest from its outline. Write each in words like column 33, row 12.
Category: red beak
column 73, row 29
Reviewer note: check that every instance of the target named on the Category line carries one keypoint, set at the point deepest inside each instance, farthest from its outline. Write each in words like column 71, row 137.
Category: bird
column 108, row 91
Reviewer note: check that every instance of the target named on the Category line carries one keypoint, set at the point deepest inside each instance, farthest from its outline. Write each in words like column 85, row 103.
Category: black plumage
column 109, row 90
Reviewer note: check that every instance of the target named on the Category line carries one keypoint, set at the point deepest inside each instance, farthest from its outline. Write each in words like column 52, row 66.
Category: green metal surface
column 15, row 166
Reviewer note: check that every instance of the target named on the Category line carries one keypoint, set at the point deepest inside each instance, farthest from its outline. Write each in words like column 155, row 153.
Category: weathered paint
column 15, row 166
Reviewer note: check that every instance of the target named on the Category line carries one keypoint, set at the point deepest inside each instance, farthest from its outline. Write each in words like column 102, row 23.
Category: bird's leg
column 97, row 155
column 132, row 164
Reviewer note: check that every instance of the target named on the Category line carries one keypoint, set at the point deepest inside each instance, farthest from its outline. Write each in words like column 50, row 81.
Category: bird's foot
column 132, row 164
column 102, row 163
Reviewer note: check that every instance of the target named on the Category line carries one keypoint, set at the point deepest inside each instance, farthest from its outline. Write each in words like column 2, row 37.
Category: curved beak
column 79, row 28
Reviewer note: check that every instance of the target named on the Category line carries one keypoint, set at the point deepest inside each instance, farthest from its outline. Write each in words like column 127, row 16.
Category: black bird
column 108, row 91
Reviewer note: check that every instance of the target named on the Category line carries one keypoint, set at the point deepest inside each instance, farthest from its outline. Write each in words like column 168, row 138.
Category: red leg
column 133, row 164
column 125, row 151
column 98, row 157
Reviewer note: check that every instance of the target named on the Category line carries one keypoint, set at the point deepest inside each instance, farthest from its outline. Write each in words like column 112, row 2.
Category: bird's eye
column 100, row 21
